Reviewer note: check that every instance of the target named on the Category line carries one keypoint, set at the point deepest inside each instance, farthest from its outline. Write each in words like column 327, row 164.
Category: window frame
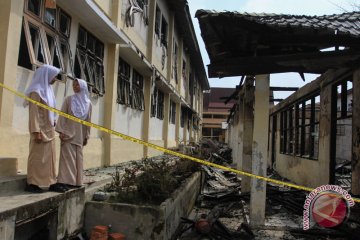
column 154, row 102
column 56, row 48
column 294, row 120
column 33, row 58
column 93, row 62
column 172, row 112
column 30, row 19
column 124, row 78
column 160, row 105
column 137, row 91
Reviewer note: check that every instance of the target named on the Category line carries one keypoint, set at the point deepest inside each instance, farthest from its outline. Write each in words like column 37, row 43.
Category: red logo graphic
column 329, row 210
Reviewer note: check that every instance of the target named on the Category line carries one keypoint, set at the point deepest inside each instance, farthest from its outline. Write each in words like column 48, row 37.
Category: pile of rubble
column 216, row 152
column 222, row 212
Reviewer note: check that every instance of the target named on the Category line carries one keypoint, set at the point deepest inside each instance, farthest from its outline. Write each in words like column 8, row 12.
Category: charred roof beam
column 317, row 62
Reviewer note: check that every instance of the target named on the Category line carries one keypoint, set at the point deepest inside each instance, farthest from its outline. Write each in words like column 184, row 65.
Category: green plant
column 150, row 180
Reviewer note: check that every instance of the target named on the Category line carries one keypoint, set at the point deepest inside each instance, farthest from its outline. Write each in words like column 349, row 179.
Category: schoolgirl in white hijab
column 73, row 136
column 80, row 101
column 41, row 84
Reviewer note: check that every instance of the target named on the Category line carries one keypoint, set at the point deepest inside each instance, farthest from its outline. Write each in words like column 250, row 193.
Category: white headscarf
column 80, row 101
column 41, row 85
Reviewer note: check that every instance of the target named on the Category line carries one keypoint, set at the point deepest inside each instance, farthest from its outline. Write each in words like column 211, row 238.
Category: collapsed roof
column 249, row 43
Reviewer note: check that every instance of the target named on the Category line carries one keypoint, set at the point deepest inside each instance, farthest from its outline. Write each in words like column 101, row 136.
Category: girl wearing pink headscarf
column 73, row 135
column 41, row 162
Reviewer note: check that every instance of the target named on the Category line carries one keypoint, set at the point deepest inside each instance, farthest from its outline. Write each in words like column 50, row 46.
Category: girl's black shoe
column 33, row 188
column 57, row 187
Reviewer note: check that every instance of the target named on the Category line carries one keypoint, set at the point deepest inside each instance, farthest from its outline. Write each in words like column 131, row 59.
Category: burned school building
column 312, row 137
column 146, row 78
column 140, row 58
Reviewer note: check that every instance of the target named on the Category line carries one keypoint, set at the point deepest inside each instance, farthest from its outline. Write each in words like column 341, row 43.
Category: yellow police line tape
column 139, row 141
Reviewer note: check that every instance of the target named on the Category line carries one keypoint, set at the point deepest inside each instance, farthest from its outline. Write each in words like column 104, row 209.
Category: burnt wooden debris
column 221, row 195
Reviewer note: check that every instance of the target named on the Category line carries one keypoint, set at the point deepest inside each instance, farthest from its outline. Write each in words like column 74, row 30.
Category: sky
column 297, row 7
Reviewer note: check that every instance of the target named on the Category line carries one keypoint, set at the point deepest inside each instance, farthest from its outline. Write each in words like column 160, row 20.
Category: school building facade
column 140, row 58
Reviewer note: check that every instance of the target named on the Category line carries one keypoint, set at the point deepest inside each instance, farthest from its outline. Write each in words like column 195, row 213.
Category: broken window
column 89, row 61
column 160, row 105
column 182, row 117
column 195, row 121
column 299, row 128
column 123, row 87
column 154, row 102
column 50, row 17
column 164, row 31
column 157, row 104
column 42, row 41
column 184, row 72
column 137, row 91
column 24, row 57
column 130, row 86
column 161, row 27
column 34, row 7
column 142, row 3
column 54, row 50
column 36, row 42
column 172, row 113
column 64, row 23
column 157, row 21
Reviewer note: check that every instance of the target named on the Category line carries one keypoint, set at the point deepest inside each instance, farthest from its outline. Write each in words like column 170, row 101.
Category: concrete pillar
column 7, row 228
column 177, row 123
column 188, row 71
column 170, row 45
column 116, row 12
column 166, row 119
column 248, row 121
column 110, row 99
column 240, row 135
column 151, row 30
column 325, row 124
column 11, row 13
column 191, row 129
column 185, row 128
column 260, row 150
column 179, row 70
column 111, row 86
column 147, row 114
column 355, row 185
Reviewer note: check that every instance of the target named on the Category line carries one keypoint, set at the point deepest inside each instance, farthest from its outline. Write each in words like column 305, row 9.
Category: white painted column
column 11, row 13
column 259, row 150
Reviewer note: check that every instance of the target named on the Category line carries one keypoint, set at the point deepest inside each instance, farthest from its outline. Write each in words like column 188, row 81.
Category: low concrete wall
column 20, row 209
column 145, row 222
column 8, row 167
